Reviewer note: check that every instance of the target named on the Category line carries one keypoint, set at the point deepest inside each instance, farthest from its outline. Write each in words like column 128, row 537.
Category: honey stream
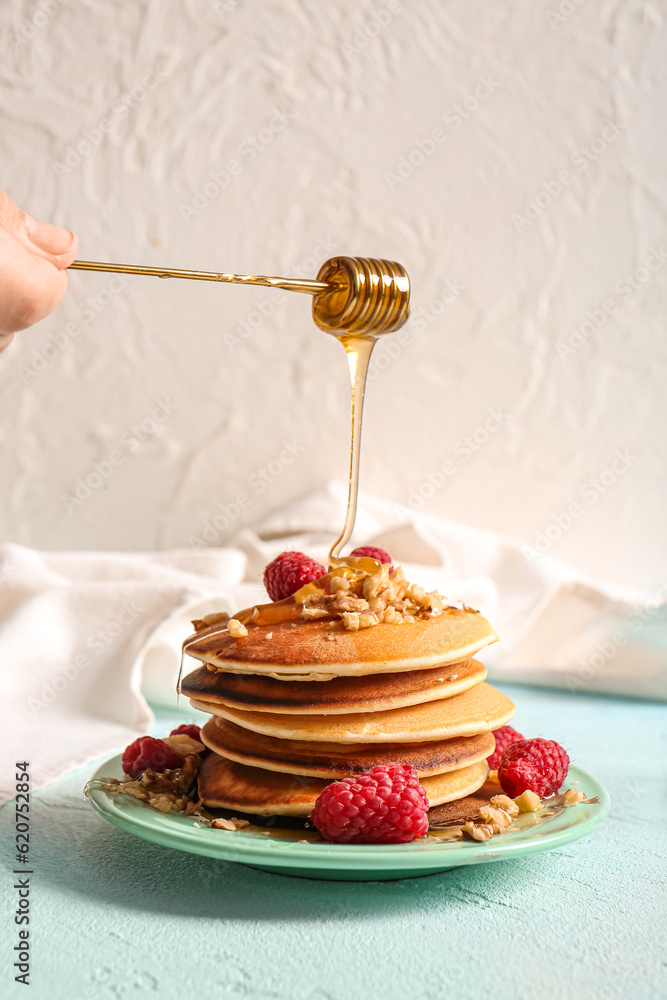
column 358, row 351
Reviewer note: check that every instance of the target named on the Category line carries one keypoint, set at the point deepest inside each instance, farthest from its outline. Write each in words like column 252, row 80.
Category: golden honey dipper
column 351, row 295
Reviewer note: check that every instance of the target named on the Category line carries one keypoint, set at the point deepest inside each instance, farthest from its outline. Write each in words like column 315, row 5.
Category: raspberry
column 385, row 805
column 187, row 730
column 146, row 753
column 505, row 736
column 538, row 766
column 371, row 552
column 289, row 572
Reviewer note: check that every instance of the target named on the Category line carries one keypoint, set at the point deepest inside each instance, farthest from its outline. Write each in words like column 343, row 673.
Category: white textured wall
column 494, row 292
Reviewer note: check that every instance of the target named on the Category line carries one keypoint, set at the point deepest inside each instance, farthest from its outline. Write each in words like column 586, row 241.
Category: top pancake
column 323, row 648
column 369, row 693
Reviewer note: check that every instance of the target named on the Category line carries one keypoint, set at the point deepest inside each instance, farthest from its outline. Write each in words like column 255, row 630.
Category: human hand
column 34, row 256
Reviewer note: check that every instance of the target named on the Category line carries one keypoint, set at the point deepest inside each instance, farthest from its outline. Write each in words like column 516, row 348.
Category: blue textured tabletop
column 114, row 917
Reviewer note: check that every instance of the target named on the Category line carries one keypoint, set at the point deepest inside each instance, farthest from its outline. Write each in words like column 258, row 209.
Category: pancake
column 372, row 692
column 460, row 811
column 340, row 760
column 225, row 784
column 479, row 710
column 323, row 648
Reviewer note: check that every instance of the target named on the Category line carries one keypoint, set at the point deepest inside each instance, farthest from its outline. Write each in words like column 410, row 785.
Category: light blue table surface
column 115, row 917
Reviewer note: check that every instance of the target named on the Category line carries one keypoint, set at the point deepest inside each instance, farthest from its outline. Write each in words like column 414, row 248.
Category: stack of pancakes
column 298, row 704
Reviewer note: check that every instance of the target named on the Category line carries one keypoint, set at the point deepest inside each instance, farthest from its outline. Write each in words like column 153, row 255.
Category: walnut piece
column 230, row 824
column 182, row 744
column 163, row 803
column 342, row 603
column 316, row 601
column 216, row 618
column 505, row 803
column 478, row 831
column 236, row 629
column 572, row 797
column 528, row 802
column 497, row 819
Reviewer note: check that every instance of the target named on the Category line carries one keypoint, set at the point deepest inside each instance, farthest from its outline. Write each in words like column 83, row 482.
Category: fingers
column 59, row 246
column 30, row 287
column 34, row 256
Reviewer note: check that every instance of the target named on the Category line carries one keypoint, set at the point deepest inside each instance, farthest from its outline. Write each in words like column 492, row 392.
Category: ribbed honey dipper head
column 367, row 295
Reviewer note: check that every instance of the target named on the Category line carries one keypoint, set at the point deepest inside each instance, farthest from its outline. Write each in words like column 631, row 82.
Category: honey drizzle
column 358, row 351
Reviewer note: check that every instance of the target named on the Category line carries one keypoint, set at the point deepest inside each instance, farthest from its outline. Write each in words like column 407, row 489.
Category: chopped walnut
column 365, row 599
column 228, row 824
column 316, row 601
column 572, row 797
column 505, row 803
column 216, row 618
column 236, row 629
column 223, row 824
column 377, row 604
column 436, row 601
column 130, row 788
column 478, row 831
column 182, row 744
column 373, row 585
column 417, row 595
column 528, row 801
column 165, row 791
column 342, row 603
column 162, row 803
column 497, row 819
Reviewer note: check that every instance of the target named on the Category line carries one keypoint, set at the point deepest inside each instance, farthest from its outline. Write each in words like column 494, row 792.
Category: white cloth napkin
column 88, row 638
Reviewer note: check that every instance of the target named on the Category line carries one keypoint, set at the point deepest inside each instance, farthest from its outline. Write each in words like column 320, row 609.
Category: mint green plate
column 348, row 861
